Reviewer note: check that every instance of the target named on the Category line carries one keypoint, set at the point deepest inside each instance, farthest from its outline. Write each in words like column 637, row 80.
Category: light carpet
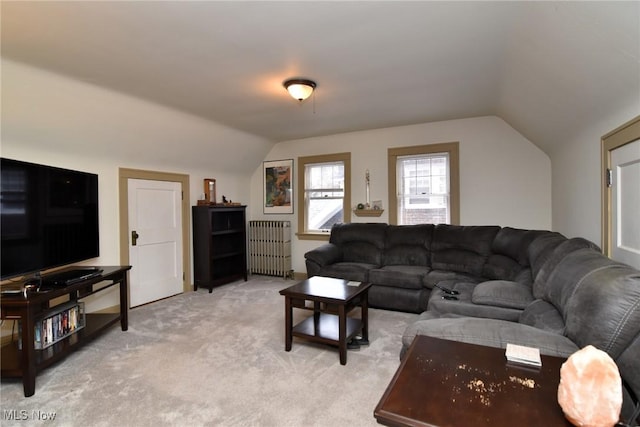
column 218, row 359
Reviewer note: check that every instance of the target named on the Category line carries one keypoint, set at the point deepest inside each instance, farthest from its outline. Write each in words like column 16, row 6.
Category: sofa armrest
column 326, row 254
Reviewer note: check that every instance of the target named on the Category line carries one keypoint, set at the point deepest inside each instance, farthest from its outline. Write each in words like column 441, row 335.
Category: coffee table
column 332, row 299
column 449, row 383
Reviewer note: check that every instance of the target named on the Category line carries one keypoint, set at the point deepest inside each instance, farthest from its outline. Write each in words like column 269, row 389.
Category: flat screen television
column 48, row 217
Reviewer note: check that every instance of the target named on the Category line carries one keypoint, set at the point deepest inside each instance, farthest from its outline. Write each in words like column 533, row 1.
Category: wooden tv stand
column 26, row 362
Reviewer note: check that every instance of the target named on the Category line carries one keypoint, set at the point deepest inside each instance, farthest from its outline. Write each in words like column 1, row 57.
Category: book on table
column 529, row 356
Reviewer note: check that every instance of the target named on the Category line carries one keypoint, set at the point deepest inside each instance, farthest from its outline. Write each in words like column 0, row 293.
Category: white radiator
column 270, row 248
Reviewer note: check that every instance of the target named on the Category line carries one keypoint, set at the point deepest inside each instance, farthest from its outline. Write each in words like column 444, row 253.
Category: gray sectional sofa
column 406, row 263
column 493, row 285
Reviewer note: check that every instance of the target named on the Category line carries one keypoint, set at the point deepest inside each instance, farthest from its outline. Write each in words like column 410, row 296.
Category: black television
column 48, row 217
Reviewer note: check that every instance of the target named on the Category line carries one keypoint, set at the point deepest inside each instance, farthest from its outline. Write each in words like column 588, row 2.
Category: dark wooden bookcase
column 219, row 245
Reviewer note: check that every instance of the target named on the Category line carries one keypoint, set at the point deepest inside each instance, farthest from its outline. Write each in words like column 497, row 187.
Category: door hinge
column 609, row 178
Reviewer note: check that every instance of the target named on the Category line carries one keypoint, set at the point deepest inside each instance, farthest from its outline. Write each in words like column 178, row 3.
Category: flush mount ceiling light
column 300, row 89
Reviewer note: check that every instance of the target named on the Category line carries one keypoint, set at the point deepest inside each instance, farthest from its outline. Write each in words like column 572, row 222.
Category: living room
column 530, row 155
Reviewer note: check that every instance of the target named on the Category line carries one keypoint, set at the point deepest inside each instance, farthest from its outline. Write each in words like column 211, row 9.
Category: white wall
column 576, row 166
column 49, row 119
column 504, row 178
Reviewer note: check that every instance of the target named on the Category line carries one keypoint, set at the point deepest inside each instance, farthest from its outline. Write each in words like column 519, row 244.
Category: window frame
column 302, row 233
column 452, row 149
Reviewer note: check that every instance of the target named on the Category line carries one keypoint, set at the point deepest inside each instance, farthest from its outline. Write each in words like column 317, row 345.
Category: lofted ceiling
column 547, row 68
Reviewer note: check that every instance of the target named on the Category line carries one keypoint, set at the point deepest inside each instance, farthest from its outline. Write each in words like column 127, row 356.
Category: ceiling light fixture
column 300, row 89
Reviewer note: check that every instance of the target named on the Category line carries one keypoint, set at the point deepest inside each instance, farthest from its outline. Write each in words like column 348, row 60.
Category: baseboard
column 299, row 276
column 108, row 310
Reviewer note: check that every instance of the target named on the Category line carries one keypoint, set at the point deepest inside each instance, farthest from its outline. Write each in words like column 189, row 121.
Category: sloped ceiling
column 547, row 68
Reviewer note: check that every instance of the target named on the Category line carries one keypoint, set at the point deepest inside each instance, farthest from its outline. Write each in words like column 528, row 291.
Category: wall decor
column 278, row 186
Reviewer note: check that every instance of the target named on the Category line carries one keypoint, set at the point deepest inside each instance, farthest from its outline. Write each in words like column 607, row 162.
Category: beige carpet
column 213, row 359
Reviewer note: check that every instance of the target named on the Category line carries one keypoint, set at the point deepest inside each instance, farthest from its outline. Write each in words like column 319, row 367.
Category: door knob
column 134, row 238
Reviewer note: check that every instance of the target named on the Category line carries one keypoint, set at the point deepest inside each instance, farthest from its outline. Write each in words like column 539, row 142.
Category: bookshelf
column 219, row 245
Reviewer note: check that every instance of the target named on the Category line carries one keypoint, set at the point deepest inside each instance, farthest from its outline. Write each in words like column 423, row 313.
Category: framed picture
column 278, row 186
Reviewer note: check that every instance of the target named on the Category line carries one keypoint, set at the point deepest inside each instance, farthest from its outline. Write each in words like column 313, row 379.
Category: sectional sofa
column 493, row 285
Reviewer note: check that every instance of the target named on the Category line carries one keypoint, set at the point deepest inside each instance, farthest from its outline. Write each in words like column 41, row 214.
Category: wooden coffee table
column 449, row 383
column 332, row 299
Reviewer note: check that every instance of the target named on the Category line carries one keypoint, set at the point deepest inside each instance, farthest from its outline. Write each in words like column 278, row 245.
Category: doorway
column 621, row 193
column 181, row 184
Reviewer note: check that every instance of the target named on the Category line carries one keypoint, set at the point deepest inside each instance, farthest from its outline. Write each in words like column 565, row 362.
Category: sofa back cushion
column 460, row 248
column 408, row 245
column 599, row 300
column 541, row 281
column 509, row 258
column 604, row 311
column 541, row 249
column 360, row 242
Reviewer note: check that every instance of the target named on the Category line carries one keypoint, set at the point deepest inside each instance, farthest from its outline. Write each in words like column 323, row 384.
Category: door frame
column 618, row 137
column 124, row 174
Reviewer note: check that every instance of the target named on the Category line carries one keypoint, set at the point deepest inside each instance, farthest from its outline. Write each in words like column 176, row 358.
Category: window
column 323, row 191
column 423, row 184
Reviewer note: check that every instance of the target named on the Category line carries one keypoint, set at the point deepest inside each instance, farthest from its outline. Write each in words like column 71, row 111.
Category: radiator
column 270, row 248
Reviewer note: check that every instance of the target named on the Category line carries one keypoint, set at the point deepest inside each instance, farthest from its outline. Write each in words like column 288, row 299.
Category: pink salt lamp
column 590, row 390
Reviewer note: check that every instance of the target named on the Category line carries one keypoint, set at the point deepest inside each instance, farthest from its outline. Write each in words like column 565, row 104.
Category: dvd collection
column 56, row 324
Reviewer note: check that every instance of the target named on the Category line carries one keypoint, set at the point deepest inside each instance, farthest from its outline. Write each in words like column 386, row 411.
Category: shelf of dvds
column 56, row 324
column 27, row 355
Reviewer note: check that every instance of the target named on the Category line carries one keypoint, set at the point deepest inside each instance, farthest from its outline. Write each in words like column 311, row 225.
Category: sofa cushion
column 360, row 242
column 463, row 305
column 541, row 281
column 541, row 249
column 501, row 267
column 348, row 270
column 439, row 276
column 401, row 276
column 542, row 315
column 401, row 299
column 489, row 332
column 509, row 257
column 408, row 245
column 602, row 308
column 502, row 293
column 461, row 249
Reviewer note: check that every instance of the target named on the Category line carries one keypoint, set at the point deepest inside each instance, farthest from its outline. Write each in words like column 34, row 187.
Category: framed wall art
column 278, row 186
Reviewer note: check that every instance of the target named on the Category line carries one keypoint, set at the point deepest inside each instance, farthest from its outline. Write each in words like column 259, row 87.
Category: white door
column 155, row 240
column 625, row 204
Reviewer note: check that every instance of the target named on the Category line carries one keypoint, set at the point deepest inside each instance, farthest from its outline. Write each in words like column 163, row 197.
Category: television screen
column 48, row 217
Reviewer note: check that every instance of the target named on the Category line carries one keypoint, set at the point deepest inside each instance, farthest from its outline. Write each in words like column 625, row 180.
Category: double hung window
column 324, row 193
column 423, row 187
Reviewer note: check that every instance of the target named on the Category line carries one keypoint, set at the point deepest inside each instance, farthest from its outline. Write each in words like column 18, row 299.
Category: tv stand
column 26, row 362
column 70, row 276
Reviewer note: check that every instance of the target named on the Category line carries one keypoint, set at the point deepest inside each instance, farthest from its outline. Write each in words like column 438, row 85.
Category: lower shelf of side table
column 327, row 330
column 11, row 356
